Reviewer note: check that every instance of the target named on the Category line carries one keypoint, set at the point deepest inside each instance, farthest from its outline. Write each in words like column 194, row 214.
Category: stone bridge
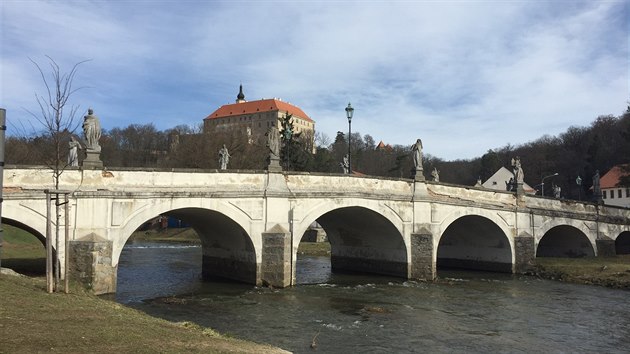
column 251, row 222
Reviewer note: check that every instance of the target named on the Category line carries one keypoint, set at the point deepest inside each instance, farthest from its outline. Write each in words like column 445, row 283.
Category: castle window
column 619, row 193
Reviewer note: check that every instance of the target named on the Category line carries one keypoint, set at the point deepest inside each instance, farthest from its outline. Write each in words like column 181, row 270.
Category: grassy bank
column 314, row 248
column 23, row 252
column 167, row 235
column 33, row 321
column 612, row 272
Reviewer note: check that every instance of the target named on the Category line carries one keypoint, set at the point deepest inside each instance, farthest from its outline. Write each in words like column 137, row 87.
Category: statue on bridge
column 518, row 170
column 92, row 131
column 273, row 141
column 518, row 176
column 224, row 157
column 416, row 153
column 73, row 152
column 509, row 185
column 436, row 174
column 557, row 190
column 345, row 165
column 416, row 150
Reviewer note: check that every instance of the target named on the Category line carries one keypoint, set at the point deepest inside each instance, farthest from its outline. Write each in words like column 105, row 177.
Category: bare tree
column 56, row 116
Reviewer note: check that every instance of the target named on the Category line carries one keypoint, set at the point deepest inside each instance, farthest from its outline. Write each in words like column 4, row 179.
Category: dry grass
column 611, row 272
column 314, row 248
column 167, row 235
column 33, row 321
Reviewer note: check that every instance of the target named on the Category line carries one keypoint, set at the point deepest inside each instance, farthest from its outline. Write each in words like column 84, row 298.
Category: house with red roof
column 612, row 192
column 256, row 117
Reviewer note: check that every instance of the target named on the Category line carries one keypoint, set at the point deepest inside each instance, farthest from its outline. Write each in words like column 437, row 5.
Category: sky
column 464, row 76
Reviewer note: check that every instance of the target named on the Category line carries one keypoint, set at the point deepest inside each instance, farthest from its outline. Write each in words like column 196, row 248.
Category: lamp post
column 349, row 112
column 542, row 184
column 578, row 181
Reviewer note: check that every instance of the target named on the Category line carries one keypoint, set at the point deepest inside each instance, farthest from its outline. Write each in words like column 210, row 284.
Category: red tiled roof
column 611, row 178
column 252, row 107
column 381, row 145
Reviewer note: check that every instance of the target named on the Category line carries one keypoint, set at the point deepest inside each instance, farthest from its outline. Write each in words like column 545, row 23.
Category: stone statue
column 436, row 174
column 518, row 170
column 509, row 185
column 73, row 153
column 224, row 157
column 597, row 191
column 345, row 165
column 273, row 142
column 416, row 150
column 556, row 191
column 92, row 131
column 478, row 184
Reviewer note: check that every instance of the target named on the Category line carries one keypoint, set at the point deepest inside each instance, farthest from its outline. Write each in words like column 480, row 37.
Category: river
column 462, row 312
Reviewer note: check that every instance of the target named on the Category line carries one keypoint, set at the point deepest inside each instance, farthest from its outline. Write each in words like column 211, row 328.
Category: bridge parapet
column 24, row 179
column 320, row 185
column 463, row 195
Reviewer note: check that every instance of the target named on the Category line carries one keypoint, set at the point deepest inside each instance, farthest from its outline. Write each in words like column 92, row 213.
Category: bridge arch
column 365, row 236
column 25, row 219
column 622, row 243
column 565, row 237
column 474, row 241
column 565, row 241
column 228, row 249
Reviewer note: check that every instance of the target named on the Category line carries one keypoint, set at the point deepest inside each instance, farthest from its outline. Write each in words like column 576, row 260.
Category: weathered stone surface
column 90, row 265
column 276, row 258
column 92, row 160
column 605, row 247
column 227, row 268
column 524, row 253
column 422, row 264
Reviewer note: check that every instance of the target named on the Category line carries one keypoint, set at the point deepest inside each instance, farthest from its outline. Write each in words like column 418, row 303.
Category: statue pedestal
column 92, row 160
column 417, row 174
column 274, row 164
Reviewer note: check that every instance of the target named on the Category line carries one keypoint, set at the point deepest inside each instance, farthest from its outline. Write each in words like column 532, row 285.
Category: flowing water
column 463, row 312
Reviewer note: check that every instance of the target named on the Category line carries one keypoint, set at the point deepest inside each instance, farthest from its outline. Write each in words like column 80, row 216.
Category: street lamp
column 578, row 181
column 349, row 112
column 542, row 184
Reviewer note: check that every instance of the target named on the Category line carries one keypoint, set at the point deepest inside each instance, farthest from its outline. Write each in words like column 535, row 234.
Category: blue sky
column 464, row 76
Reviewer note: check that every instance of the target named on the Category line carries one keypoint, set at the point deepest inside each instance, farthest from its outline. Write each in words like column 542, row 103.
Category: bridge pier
column 605, row 247
column 422, row 265
column 524, row 253
column 276, row 257
column 91, row 264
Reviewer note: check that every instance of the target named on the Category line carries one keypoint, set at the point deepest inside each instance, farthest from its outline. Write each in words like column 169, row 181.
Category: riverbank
column 33, row 321
column 611, row 272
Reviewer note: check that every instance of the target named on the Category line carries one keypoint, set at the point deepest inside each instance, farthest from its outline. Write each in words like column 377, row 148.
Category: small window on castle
column 619, row 194
column 612, row 194
column 604, row 194
column 627, row 192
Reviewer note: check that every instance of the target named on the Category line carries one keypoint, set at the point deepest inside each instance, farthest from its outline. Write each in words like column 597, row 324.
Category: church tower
column 240, row 98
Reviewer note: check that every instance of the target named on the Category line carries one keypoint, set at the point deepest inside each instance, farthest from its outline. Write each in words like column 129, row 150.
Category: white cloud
column 463, row 76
